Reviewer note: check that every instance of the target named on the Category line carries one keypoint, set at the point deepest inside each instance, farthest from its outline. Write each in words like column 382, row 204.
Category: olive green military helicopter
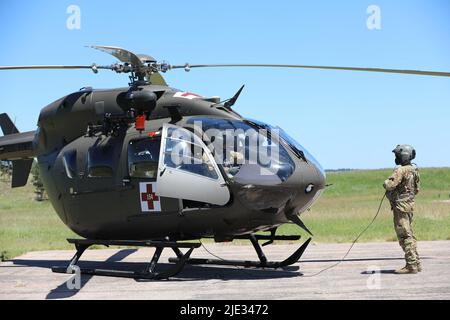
column 150, row 165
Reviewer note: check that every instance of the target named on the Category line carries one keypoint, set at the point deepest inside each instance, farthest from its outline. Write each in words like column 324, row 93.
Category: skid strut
column 148, row 273
column 181, row 258
column 262, row 263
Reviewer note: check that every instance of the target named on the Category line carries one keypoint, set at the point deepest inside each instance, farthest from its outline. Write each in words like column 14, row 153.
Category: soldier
column 401, row 189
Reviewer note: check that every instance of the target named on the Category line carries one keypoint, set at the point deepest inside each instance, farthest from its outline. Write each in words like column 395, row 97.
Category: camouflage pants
column 403, row 227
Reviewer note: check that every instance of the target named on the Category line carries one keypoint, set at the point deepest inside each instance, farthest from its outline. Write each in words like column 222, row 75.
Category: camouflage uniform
column 401, row 189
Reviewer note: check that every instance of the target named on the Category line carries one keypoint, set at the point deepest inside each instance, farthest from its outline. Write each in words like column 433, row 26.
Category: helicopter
column 151, row 165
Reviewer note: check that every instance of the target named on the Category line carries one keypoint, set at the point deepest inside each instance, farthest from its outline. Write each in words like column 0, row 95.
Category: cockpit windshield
column 296, row 147
column 248, row 154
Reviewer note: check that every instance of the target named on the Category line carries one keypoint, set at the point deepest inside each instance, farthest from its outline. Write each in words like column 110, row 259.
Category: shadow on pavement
column 379, row 271
column 351, row 260
column 62, row 291
column 189, row 273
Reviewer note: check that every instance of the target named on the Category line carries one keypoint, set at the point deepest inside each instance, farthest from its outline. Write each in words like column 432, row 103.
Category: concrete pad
column 29, row 276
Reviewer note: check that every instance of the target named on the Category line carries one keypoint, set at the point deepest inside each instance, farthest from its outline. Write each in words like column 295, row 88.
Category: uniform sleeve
column 394, row 180
column 417, row 182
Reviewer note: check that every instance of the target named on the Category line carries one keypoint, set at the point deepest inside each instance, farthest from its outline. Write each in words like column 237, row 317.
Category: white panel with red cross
column 147, row 195
column 186, row 95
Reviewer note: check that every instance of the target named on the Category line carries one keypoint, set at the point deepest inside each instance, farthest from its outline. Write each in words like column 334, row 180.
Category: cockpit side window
column 143, row 157
column 101, row 161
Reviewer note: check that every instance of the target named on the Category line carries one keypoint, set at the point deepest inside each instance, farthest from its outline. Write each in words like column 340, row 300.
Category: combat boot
column 407, row 270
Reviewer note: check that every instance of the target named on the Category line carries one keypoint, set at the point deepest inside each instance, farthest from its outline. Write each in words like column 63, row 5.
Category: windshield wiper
column 297, row 152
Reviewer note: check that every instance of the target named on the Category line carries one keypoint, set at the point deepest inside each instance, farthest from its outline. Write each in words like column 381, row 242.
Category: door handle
column 162, row 171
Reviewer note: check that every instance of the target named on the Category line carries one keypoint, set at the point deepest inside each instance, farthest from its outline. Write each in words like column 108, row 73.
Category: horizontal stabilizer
column 17, row 146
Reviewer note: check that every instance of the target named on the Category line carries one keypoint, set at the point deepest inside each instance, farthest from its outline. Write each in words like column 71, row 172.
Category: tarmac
column 367, row 273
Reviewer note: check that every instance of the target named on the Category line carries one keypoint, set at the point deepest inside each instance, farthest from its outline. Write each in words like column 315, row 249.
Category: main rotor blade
column 123, row 55
column 416, row 72
column 92, row 67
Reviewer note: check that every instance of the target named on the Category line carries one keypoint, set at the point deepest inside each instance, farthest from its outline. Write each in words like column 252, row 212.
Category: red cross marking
column 188, row 94
column 149, row 196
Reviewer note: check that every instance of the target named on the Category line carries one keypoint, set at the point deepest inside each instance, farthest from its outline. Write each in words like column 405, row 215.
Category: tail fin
column 21, row 171
column 18, row 148
column 7, row 125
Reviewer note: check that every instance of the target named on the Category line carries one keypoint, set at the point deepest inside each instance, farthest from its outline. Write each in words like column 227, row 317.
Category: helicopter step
column 262, row 263
column 148, row 273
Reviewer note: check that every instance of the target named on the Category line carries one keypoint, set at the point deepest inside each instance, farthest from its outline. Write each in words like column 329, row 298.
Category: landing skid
column 262, row 263
column 180, row 261
column 148, row 273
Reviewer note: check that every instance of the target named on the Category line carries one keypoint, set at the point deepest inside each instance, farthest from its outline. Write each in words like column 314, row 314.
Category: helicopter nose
column 316, row 179
column 308, row 183
column 321, row 177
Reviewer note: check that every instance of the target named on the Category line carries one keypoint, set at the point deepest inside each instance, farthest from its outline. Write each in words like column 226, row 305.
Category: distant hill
column 339, row 170
column 350, row 169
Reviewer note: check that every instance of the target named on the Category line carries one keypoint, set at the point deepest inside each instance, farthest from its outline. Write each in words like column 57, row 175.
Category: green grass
column 28, row 225
column 348, row 206
column 340, row 214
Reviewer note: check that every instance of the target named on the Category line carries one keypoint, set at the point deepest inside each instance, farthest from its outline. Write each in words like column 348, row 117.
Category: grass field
column 350, row 203
column 341, row 213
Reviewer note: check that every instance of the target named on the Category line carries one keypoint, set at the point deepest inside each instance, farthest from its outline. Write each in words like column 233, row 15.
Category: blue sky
column 345, row 119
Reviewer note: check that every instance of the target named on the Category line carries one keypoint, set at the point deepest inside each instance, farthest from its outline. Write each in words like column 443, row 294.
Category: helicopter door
column 187, row 169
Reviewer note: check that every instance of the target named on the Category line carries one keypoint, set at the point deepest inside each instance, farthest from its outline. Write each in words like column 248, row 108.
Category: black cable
column 353, row 243
column 212, row 254
column 329, row 267
column 243, row 269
